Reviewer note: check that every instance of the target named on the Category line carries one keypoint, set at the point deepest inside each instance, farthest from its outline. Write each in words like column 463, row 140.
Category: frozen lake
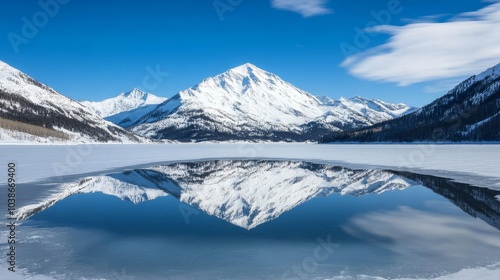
column 229, row 212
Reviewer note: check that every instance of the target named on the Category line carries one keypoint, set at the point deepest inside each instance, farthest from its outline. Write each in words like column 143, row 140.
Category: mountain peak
column 240, row 80
column 136, row 94
column 360, row 98
column 246, row 67
column 251, row 71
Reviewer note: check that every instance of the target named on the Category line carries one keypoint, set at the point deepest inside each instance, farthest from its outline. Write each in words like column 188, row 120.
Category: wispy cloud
column 426, row 51
column 307, row 8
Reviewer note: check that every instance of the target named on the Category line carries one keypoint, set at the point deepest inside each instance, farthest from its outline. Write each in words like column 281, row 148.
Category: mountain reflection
column 248, row 193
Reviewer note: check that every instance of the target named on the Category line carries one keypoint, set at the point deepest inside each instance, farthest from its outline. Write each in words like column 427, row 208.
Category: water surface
column 259, row 219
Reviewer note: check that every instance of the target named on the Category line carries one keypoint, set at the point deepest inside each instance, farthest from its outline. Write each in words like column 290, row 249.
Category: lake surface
column 259, row 219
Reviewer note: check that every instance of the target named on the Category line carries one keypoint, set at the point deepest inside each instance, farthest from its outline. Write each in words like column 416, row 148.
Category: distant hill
column 469, row 112
column 126, row 108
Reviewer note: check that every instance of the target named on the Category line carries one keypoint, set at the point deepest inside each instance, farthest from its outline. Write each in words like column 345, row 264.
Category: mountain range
column 244, row 103
column 248, row 103
column 468, row 112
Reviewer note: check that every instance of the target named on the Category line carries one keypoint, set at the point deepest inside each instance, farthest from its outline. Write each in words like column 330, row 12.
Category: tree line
column 32, row 129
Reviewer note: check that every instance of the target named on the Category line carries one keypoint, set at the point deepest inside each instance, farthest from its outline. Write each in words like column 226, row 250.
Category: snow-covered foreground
column 473, row 164
column 484, row 273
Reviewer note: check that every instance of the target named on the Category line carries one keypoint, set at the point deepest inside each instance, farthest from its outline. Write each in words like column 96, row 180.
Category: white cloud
column 424, row 51
column 307, row 8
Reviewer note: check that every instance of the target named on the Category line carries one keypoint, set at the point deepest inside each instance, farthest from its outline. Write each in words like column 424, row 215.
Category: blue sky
column 413, row 51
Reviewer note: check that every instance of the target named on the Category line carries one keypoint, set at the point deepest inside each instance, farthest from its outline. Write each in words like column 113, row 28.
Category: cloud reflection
column 409, row 231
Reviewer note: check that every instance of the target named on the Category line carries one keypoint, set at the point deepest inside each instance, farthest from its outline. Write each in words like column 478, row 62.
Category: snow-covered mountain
column 248, row 103
column 367, row 111
column 468, row 112
column 123, row 102
column 356, row 112
column 126, row 108
column 31, row 111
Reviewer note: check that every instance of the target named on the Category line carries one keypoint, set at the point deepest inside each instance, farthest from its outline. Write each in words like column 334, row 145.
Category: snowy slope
column 366, row 111
column 129, row 105
column 25, row 100
column 356, row 112
column 248, row 103
column 127, row 118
